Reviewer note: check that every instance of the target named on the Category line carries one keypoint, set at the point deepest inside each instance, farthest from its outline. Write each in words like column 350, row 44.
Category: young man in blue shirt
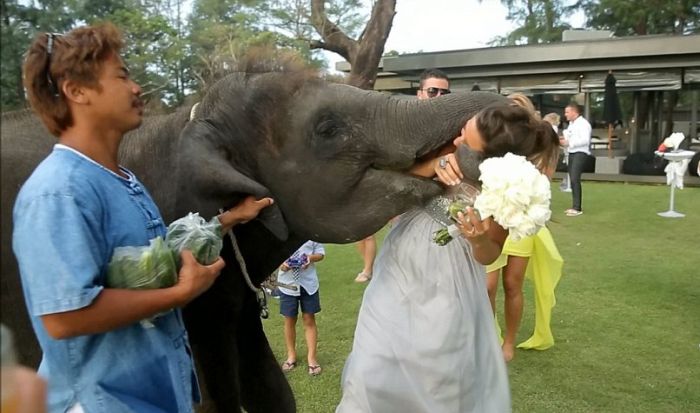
column 75, row 209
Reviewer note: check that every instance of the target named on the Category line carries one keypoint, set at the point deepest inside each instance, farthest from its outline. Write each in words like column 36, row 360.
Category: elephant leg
column 217, row 365
column 212, row 324
column 264, row 388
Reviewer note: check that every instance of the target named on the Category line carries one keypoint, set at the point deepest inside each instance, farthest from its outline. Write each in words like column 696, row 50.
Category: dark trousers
column 577, row 160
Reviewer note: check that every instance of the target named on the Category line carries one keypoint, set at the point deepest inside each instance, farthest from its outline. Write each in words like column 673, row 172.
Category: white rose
column 515, row 194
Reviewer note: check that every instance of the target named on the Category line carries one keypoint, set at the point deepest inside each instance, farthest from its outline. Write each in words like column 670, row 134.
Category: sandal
column 363, row 277
column 288, row 365
column 314, row 370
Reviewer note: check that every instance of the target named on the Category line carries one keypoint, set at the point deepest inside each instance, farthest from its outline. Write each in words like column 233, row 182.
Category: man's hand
column 246, row 210
column 194, row 278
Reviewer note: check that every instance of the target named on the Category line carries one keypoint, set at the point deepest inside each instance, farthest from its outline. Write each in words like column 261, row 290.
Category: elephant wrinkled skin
column 333, row 157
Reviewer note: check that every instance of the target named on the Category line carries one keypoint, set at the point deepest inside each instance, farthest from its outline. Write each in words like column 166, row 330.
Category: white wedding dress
column 425, row 340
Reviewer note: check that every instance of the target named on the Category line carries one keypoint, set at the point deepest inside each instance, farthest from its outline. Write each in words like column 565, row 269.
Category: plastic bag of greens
column 145, row 267
column 193, row 233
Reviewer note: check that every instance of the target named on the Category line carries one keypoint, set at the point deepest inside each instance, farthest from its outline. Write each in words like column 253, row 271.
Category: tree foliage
column 19, row 25
column 629, row 18
column 543, row 21
column 172, row 55
column 153, row 45
column 645, row 17
column 291, row 21
column 539, row 21
column 219, row 32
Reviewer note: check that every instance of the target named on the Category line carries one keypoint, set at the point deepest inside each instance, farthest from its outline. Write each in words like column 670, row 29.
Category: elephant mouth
column 447, row 147
column 402, row 185
column 407, row 168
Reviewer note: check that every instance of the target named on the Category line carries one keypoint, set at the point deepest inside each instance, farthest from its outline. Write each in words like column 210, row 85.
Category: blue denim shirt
column 68, row 218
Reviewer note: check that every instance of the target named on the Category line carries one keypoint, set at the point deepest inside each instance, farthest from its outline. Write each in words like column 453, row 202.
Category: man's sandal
column 314, row 370
column 288, row 365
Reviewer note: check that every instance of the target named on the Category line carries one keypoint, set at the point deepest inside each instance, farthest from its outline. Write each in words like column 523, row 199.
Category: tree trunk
column 364, row 53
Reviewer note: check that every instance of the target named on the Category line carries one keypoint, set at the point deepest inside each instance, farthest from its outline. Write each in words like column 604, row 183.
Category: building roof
column 660, row 62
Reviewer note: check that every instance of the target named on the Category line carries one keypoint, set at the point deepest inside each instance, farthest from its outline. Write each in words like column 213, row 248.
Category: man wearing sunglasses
column 433, row 82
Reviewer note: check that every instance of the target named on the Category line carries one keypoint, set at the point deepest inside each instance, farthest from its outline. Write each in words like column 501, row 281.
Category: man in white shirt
column 577, row 139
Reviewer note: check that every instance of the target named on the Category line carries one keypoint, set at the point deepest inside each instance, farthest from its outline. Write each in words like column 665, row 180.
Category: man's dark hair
column 575, row 106
column 432, row 73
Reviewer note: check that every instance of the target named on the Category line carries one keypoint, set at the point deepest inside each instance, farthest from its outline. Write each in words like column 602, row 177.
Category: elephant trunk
column 413, row 128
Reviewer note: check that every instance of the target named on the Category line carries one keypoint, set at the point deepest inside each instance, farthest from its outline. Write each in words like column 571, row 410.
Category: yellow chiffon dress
column 544, row 270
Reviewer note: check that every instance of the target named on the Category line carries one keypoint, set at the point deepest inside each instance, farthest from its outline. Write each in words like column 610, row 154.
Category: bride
column 425, row 339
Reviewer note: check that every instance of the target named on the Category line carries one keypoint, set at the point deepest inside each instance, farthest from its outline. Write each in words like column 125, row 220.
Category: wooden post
column 634, row 123
column 693, row 132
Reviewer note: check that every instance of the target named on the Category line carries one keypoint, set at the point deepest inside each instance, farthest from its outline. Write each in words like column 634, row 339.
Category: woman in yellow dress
column 537, row 258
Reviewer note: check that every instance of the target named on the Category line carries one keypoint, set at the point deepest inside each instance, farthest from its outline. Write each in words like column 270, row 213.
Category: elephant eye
column 328, row 128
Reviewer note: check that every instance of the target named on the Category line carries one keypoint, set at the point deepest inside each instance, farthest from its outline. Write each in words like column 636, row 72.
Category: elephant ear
column 208, row 179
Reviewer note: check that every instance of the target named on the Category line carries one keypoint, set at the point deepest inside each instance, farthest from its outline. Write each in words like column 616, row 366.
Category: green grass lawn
column 626, row 323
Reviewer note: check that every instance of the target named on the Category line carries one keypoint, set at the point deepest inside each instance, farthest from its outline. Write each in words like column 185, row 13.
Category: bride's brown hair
column 515, row 129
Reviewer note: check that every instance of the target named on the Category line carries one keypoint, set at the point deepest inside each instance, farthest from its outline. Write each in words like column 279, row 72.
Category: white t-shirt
column 578, row 135
column 307, row 277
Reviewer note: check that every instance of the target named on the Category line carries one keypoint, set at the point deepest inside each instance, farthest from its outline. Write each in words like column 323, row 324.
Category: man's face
column 570, row 113
column 433, row 87
column 118, row 104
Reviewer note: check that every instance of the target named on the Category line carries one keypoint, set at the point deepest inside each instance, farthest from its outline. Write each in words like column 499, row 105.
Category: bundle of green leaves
column 147, row 267
column 193, row 233
column 156, row 265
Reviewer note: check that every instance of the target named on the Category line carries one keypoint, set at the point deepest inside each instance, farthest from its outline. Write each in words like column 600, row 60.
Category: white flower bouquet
column 513, row 192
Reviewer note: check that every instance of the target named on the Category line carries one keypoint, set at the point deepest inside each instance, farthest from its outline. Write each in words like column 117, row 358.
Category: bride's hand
column 447, row 169
column 485, row 236
column 472, row 227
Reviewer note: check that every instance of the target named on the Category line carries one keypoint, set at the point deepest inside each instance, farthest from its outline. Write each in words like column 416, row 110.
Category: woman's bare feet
column 508, row 352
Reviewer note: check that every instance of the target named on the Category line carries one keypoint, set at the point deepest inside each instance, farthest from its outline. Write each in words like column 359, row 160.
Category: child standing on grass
column 300, row 271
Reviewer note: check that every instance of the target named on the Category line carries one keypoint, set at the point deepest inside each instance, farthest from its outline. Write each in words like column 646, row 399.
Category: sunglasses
column 53, row 87
column 436, row 91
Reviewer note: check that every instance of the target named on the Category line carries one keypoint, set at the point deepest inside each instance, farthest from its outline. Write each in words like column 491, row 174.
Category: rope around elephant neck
column 259, row 293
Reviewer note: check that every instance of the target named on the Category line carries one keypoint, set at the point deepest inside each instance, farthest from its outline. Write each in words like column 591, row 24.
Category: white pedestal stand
column 674, row 157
